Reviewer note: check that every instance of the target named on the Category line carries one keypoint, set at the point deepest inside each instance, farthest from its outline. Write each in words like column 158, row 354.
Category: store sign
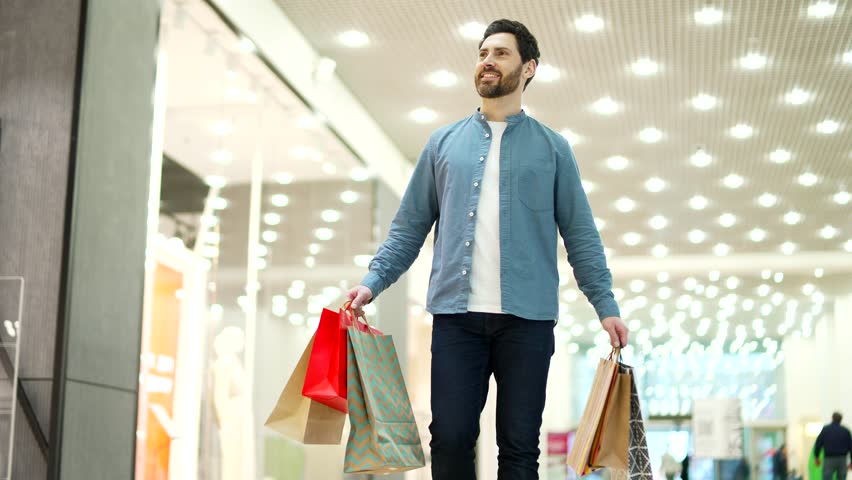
column 717, row 428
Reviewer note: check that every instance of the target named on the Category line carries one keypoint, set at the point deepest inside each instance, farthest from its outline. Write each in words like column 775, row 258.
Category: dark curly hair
column 527, row 44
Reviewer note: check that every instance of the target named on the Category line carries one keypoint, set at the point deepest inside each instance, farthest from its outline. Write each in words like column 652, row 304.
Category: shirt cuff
column 607, row 308
column 375, row 283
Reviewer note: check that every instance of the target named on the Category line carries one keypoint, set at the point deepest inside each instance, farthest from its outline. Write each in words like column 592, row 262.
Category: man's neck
column 497, row 109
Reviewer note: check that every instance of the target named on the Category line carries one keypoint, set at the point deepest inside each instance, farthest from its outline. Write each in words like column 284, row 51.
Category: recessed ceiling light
column 828, row 232
column 573, row 138
column 605, row 106
column 828, row 127
column 547, row 73
column 222, row 156
column 625, row 204
column 473, row 30
column 303, row 152
column 314, row 248
column 650, row 135
column 660, row 250
column 329, row 168
column 271, row 219
column 330, row 216
column 655, row 184
column 219, row 203
column 697, row 236
column 821, row 9
column 808, row 179
column 589, row 23
column 353, row 39
column 600, row 223
column 645, row 67
column 708, row 16
column 215, row 181
column 698, row 202
column 819, row 272
column 703, row 102
column 757, row 235
column 632, row 238
column 324, row 233
column 359, row 174
column 443, row 79
column 788, row 248
column 780, row 156
column 847, row 58
column 842, row 197
column 753, row 61
column 423, row 115
column 727, row 220
column 732, row 283
column 279, row 200
column 767, row 200
column 637, row 285
column 617, row 162
column 658, row 222
column 733, row 181
column 349, row 196
column 848, row 246
column 701, row 158
column 269, row 236
column 588, row 186
column 792, row 217
column 797, row 96
column 284, row 178
column 247, row 45
column 741, row 131
column 262, row 250
column 721, row 249
column 223, row 127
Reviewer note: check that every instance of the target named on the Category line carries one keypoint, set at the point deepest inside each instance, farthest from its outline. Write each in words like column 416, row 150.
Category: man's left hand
column 617, row 331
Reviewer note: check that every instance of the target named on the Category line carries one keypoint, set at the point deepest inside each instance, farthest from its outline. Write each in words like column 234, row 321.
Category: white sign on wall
column 717, row 428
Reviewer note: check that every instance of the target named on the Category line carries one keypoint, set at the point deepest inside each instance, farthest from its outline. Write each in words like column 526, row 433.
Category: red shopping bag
column 325, row 380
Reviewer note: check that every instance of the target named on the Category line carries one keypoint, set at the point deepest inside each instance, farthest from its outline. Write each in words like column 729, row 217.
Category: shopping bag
column 590, row 421
column 611, row 448
column 325, row 380
column 302, row 419
column 383, row 437
column 638, row 459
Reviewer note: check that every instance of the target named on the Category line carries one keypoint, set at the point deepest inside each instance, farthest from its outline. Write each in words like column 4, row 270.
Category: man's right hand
column 816, row 461
column 359, row 296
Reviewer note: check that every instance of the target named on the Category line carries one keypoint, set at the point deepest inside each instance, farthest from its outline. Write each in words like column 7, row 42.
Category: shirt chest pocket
column 534, row 185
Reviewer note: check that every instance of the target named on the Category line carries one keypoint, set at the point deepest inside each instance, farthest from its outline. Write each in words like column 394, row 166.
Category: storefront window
column 265, row 218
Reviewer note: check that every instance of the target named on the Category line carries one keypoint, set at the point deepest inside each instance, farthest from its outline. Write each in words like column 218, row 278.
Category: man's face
column 499, row 71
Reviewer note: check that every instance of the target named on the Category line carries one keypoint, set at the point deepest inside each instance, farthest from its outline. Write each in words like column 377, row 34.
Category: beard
column 504, row 85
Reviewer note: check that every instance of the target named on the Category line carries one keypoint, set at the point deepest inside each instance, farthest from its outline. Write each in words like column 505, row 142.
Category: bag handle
column 347, row 307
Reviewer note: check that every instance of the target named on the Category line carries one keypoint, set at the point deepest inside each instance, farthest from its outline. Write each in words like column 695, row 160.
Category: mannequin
column 232, row 406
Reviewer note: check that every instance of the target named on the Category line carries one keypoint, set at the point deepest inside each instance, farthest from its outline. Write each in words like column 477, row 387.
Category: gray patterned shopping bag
column 638, row 461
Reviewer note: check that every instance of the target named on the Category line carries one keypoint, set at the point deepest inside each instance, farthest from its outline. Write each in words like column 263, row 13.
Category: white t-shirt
column 485, row 267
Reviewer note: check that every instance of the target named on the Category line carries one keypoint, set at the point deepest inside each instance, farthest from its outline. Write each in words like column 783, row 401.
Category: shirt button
column 464, row 272
column 481, row 159
column 482, row 117
column 475, row 184
column 466, row 244
column 487, row 135
column 470, row 214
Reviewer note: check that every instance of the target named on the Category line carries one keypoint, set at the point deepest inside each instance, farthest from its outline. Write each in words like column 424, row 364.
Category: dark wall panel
column 38, row 52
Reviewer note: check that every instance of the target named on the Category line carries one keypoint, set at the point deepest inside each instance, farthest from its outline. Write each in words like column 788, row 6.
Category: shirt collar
column 511, row 119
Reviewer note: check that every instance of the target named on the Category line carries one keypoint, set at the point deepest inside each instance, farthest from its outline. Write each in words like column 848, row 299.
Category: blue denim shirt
column 540, row 193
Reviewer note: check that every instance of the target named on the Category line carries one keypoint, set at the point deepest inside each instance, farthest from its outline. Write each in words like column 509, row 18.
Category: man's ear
column 531, row 68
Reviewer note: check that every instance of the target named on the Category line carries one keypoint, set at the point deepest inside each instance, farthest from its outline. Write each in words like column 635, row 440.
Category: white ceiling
column 411, row 39
column 213, row 79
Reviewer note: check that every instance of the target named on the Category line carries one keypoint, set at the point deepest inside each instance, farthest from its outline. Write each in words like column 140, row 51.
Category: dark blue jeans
column 466, row 349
